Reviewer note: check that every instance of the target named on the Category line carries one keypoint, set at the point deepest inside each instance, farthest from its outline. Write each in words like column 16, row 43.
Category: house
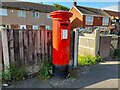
column 26, row 15
column 115, row 20
column 88, row 18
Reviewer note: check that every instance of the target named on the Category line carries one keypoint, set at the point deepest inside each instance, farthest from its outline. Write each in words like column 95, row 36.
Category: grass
column 88, row 60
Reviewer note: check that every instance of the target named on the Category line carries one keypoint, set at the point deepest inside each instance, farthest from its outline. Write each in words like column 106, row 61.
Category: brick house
column 25, row 15
column 115, row 20
column 89, row 18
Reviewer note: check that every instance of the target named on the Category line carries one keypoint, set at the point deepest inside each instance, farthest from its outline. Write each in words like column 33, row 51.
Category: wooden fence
column 27, row 48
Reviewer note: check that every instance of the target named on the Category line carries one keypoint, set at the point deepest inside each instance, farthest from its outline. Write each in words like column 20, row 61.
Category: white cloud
column 113, row 8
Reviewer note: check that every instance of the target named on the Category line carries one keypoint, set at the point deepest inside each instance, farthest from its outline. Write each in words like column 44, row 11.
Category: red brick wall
column 97, row 21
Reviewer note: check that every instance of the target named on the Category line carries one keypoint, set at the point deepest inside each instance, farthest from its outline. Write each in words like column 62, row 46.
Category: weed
column 116, row 53
column 73, row 73
column 13, row 74
column 6, row 76
column 17, row 73
column 45, row 71
column 88, row 60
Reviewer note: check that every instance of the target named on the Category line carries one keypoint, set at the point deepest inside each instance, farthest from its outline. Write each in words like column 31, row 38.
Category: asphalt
column 103, row 75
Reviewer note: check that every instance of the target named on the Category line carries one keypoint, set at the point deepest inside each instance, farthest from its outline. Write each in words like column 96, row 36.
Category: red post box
column 60, row 42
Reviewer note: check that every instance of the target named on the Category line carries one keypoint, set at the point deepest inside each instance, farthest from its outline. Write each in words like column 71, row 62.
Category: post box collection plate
column 64, row 33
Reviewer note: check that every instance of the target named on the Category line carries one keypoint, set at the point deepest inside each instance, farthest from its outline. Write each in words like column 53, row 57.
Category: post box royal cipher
column 60, row 42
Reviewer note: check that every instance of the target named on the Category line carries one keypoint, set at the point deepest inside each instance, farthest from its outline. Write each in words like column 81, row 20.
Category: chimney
column 75, row 3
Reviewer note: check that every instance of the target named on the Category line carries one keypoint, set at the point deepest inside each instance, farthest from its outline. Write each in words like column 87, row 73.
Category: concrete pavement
column 102, row 75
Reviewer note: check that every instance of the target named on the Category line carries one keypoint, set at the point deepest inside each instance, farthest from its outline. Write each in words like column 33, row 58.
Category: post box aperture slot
column 63, row 24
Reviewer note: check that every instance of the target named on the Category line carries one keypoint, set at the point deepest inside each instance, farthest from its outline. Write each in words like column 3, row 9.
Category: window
column 47, row 27
column 89, row 20
column 105, row 21
column 48, row 16
column 22, row 26
column 36, row 14
column 3, row 12
column 21, row 13
column 35, row 27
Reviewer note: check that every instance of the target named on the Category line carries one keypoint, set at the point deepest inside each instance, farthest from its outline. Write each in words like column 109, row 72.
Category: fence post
column 118, row 42
column 97, row 41
column 0, row 62
column 5, row 50
column 76, row 41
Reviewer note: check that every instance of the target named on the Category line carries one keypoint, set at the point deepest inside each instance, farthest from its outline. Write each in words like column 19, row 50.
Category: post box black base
column 60, row 72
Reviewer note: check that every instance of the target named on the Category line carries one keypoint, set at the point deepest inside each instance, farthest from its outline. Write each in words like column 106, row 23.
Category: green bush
column 45, row 71
column 88, row 60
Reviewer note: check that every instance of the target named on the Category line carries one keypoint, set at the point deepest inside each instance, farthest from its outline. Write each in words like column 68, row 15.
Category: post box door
column 65, row 43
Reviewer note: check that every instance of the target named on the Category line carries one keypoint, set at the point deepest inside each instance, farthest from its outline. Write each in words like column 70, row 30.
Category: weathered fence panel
column 105, row 42
column 28, row 48
column 89, row 44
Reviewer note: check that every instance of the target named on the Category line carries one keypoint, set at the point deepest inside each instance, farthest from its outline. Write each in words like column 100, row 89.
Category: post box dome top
column 60, row 14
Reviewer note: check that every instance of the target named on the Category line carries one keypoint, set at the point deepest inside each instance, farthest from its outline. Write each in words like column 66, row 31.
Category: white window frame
column 105, row 21
column 89, row 20
column 3, row 12
column 22, row 26
column 35, row 27
column 48, row 16
column 21, row 13
column 35, row 14
column 47, row 27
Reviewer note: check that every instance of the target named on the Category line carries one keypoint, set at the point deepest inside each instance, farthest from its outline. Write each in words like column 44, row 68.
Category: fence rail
column 27, row 48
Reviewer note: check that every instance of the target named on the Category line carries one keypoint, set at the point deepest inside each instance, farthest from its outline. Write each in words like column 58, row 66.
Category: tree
column 60, row 7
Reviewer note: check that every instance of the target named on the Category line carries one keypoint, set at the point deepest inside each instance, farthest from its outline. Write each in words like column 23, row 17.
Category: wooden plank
column 42, row 44
column 21, row 47
column 30, row 49
column 26, row 52
column 16, row 48
column 49, row 44
column 33, row 48
column 11, row 46
column 35, row 40
column 5, row 49
column 38, row 47
column 0, row 53
column 46, row 40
